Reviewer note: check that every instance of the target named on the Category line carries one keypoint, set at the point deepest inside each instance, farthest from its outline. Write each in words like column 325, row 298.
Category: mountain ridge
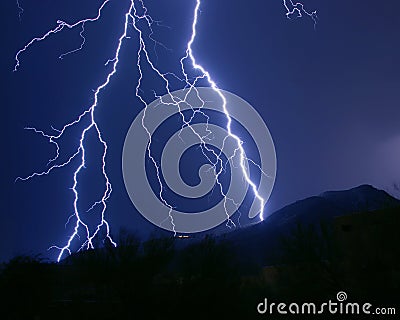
column 259, row 242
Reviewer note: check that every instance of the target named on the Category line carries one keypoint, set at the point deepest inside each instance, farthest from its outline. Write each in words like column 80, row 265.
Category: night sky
column 329, row 96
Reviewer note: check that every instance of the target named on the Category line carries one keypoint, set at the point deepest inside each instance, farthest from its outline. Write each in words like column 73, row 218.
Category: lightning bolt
column 298, row 10
column 243, row 159
column 61, row 25
column 20, row 10
column 143, row 53
column 88, row 114
column 135, row 16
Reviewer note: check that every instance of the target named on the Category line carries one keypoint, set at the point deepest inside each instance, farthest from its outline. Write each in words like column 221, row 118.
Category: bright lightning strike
column 136, row 14
column 189, row 53
column 92, row 126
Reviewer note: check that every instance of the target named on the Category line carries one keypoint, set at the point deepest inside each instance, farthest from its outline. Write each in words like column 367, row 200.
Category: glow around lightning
column 189, row 54
column 132, row 18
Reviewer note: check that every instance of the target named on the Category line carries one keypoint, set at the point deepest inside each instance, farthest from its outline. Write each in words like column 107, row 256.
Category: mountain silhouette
column 258, row 244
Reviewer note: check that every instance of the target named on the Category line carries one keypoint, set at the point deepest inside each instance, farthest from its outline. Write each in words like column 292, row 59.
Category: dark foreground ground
column 209, row 278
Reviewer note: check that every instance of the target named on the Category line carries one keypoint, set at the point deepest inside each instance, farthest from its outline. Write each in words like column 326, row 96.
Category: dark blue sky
column 329, row 97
